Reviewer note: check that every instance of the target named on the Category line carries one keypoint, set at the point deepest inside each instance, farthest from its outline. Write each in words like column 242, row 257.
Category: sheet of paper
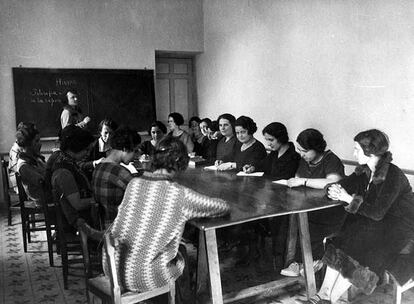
column 130, row 167
column 281, row 182
column 241, row 173
column 214, row 168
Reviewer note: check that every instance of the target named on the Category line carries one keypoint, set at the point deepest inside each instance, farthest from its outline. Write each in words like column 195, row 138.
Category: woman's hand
column 295, row 182
column 218, row 163
column 225, row 166
column 248, row 168
column 337, row 193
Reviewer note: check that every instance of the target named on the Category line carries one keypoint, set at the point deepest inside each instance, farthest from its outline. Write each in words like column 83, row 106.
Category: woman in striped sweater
column 151, row 221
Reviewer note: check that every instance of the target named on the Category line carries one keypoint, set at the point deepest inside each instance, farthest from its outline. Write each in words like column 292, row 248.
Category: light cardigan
column 149, row 226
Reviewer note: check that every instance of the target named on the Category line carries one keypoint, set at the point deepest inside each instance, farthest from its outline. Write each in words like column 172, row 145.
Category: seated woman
column 110, row 178
column 69, row 181
column 317, row 168
column 226, row 146
column 198, row 138
column 30, row 164
column 248, row 150
column 14, row 151
column 155, row 260
column 283, row 161
column 380, row 205
column 175, row 121
column 211, row 131
column 157, row 132
column 100, row 148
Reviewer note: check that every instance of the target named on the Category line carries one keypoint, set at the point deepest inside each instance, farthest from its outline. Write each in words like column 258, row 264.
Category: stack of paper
column 281, row 182
column 241, row 173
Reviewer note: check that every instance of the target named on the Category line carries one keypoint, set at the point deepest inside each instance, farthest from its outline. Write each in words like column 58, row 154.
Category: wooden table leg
column 292, row 239
column 213, row 267
column 305, row 244
column 202, row 271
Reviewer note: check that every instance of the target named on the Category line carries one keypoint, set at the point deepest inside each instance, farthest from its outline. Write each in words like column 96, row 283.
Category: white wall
column 338, row 66
column 113, row 34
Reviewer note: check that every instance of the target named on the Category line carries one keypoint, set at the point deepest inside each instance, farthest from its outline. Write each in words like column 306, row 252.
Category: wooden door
column 174, row 88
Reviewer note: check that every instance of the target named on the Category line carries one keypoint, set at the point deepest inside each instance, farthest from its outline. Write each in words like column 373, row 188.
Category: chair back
column 5, row 179
column 46, row 201
column 59, row 216
column 110, row 244
column 20, row 188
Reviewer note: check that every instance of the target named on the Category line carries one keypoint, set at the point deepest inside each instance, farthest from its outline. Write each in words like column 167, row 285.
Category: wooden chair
column 9, row 195
column 107, row 289
column 29, row 210
column 398, row 289
column 49, row 216
column 68, row 242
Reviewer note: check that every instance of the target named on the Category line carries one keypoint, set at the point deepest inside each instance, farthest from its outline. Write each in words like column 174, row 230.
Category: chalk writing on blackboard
column 45, row 96
column 65, row 82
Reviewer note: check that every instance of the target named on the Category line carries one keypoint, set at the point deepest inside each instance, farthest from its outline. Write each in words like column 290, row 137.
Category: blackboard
column 126, row 96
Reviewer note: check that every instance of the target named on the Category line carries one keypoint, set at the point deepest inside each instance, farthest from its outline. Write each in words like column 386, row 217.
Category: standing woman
column 72, row 113
column 282, row 162
column 226, row 146
column 380, row 205
column 248, row 150
column 30, row 164
column 157, row 132
column 175, row 121
column 317, row 168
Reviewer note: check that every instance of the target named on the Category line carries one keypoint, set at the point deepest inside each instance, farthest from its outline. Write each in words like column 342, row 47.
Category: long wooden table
column 250, row 198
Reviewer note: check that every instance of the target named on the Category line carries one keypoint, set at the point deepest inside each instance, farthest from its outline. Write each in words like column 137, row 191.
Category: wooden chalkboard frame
column 127, row 96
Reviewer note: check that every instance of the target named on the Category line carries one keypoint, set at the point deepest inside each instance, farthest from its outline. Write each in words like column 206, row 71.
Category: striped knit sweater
column 149, row 226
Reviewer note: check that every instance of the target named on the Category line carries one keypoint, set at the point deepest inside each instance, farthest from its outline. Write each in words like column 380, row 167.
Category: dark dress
column 380, row 223
column 226, row 149
column 275, row 167
column 325, row 222
column 147, row 148
column 283, row 167
column 251, row 155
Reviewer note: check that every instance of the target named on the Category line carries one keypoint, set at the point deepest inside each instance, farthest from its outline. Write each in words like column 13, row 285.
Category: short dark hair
column 278, row 131
column 207, row 121
column 160, row 126
column 311, row 139
column 214, row 127
column 373, row 141
column 109, row 123
column 246, row 123
column 229, row 117
column 194, row 118
column 75, row 139
column 26, row 132
column 177, row 117
column 73, row 91
column 124, row 138
column 170, row 154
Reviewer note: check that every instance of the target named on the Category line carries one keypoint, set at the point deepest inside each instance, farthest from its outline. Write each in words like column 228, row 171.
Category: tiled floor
column 27, row 277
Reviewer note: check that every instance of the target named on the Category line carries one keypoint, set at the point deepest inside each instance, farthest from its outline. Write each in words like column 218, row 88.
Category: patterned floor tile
column 27, row 278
